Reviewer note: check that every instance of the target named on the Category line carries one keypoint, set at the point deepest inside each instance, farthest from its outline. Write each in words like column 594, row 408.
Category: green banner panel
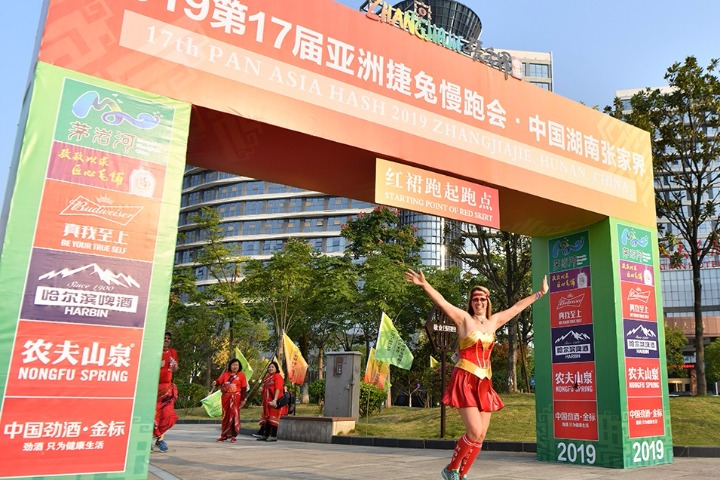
column 601, row 378
column 87, row 257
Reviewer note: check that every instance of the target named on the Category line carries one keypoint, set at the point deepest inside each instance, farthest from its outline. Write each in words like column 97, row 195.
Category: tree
column 683, row 122
column 331, row 303
column 503, row 261
column 675, row 341
column 278, row 289
column 206, row 321
column 195, row 327
column 222, row 265
column 384, row 249
column 713, row 361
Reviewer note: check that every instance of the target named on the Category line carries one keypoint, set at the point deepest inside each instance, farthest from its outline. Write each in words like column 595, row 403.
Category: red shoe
column 232, row 440
column 221, row 439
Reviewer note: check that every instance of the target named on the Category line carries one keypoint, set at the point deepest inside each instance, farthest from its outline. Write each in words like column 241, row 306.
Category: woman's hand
column 417, row 278
column 545, row 286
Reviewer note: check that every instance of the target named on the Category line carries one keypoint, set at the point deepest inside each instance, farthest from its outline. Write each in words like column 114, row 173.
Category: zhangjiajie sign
column 602, row 399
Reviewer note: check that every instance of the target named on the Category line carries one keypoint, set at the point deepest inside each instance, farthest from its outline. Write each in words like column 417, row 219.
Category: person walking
column 233, row 386
column 272, row 390
column 165, row 416
column 470, row 387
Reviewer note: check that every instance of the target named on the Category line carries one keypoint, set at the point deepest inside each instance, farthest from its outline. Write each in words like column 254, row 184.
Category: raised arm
column 456, row 314
column 501, row 318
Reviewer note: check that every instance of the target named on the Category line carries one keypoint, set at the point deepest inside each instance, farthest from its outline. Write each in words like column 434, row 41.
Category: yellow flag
column 296, row 364
column 433, row 362
column 376, row 372
column 390, row 347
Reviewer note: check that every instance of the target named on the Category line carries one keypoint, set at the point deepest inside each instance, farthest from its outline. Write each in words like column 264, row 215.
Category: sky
column 597, row 47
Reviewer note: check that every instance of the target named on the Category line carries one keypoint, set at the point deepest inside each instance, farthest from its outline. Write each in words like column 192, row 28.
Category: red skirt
column 467, row 390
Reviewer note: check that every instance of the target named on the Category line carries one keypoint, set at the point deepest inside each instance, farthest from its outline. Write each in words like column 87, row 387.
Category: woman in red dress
column 165, row 416
column 272, row 390
column 233, row 386
column 470, row 387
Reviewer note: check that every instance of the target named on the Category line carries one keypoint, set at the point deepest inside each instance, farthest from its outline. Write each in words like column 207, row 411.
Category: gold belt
column 468, row 366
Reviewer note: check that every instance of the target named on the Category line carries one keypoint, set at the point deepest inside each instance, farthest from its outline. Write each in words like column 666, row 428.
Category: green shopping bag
column 213, row 404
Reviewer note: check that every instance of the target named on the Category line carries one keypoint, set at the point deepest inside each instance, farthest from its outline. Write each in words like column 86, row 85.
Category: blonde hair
column 488, row 306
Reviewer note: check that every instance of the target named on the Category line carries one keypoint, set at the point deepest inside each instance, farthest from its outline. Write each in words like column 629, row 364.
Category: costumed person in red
column 233, row 386
column 165, row 416
column 273, row 388
column 470, row 386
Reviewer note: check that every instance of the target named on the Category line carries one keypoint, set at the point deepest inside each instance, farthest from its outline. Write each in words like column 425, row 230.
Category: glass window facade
column 256, row 220
column 537, row 70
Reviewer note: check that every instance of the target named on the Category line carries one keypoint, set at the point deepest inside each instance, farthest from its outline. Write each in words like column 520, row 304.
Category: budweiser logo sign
column 122, row 215
column 637, row 294
column 571, row 301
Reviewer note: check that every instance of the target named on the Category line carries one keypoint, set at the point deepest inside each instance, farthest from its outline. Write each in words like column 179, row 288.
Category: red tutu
column 467, row 390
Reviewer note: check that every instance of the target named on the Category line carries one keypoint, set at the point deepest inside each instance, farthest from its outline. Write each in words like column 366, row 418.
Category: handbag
column 284, row 400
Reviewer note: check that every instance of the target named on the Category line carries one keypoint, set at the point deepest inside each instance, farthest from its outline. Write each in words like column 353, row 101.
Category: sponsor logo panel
column 89, row 220
column 641, row 339
column 64, row 360
column 569, row 308
column 77, row 288
column 573, row 344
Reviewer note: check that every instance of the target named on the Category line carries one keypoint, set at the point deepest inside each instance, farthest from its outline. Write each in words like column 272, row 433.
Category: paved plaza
column 194, row 454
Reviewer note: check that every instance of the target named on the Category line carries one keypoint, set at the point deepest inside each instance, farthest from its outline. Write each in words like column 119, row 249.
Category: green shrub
column 316, row 390
column 371, row 399
column 189, row 395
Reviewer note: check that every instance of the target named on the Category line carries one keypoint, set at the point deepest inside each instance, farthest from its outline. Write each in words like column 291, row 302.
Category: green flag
column 390, row 347
column 246, row 368
column 213, row 404
column 433, row 363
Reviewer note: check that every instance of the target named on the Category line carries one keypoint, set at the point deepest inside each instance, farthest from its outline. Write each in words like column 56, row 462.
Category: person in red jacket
column 165, row 416
column 233, row 386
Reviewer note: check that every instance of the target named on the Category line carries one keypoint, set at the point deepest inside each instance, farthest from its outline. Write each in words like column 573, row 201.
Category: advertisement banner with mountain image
column 78, row 288
column 573, row 344
column 574, row 389
column 645, row 375
column 641, row 339
column 88, row 253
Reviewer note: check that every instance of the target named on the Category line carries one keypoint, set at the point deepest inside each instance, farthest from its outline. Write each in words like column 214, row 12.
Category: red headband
column 479, row 293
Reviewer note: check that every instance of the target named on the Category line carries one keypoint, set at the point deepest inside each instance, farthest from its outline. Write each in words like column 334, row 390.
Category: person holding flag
column 233, row 386
column 470, row 386
column 272, row 390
